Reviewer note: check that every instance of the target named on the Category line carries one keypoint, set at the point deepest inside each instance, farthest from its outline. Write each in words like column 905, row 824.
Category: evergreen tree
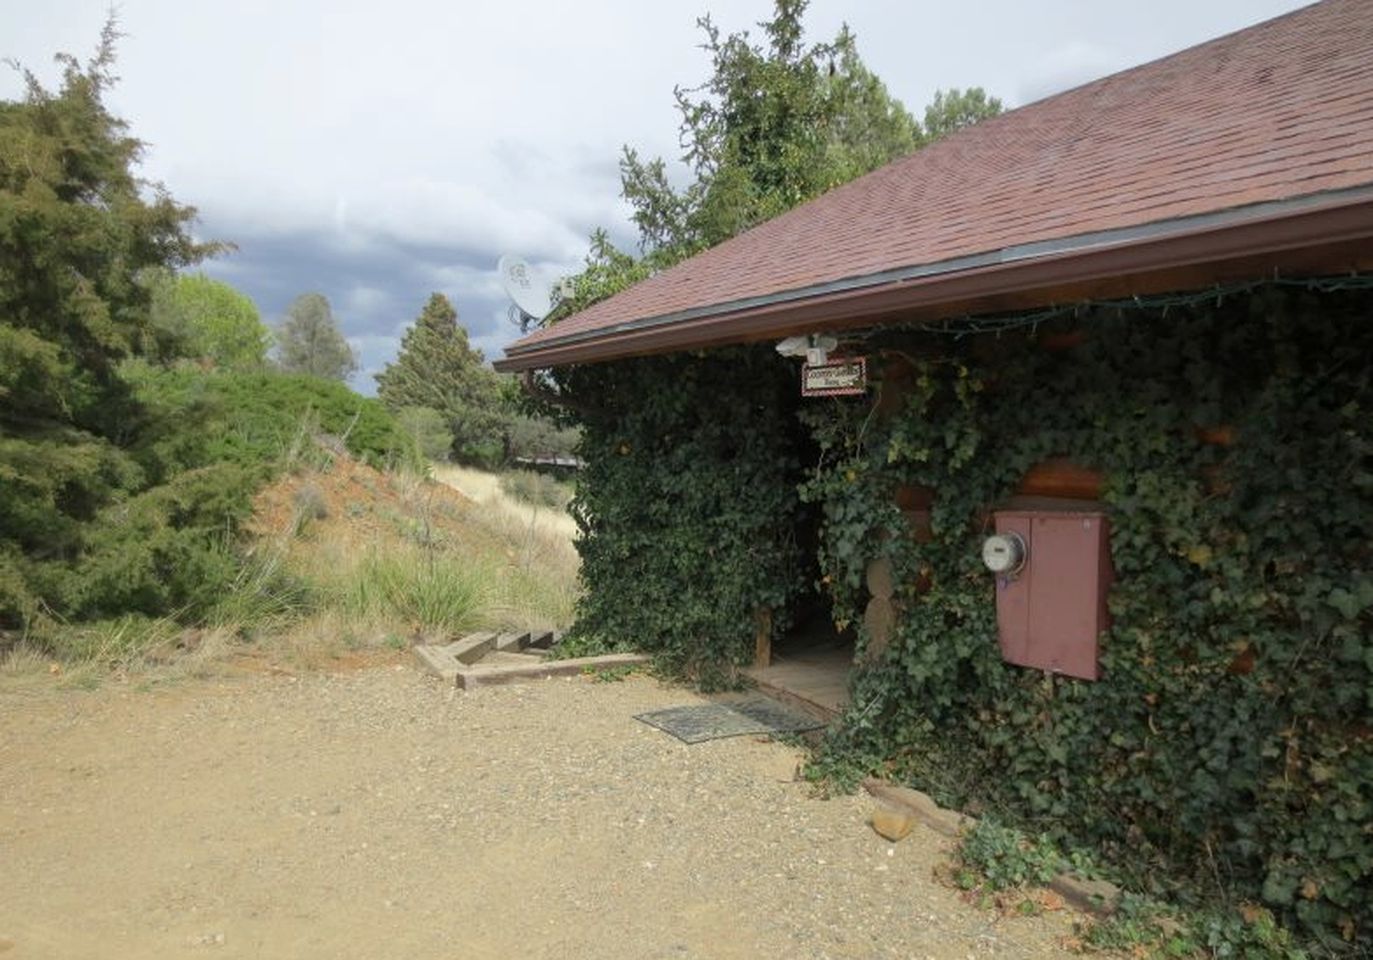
column 437, row 368
column 77, row 228
column 310, row 342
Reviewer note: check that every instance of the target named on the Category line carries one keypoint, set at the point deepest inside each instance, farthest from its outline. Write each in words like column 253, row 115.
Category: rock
column 893, row 823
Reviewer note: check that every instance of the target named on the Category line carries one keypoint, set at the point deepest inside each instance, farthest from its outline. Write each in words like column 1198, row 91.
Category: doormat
column 712, row 721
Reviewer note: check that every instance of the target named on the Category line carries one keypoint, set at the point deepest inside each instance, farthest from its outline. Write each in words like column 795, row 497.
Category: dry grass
column 511, row 514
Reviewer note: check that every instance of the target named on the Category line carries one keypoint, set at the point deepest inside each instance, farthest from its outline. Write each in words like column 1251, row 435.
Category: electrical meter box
column 1051, row 610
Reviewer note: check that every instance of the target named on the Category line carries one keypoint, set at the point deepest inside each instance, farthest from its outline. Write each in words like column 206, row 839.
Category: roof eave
column 1327, row 233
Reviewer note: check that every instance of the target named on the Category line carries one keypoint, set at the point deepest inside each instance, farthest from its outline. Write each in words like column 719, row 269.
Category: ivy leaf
column 1351, row 603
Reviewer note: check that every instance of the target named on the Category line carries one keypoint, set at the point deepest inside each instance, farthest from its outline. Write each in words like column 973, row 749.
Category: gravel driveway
column 377, row 814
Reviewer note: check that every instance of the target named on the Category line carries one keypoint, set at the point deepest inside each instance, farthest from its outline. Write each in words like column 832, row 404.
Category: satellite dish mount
column 531, row 296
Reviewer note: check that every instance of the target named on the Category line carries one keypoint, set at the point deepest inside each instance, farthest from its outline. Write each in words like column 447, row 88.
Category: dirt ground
column 375, row 813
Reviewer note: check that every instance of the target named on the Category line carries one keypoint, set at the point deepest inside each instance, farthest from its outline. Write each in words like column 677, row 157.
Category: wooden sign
column 837, row 378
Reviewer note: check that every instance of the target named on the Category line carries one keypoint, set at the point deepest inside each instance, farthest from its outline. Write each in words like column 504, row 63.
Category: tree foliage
column 438, row 368
column 429, row 429
column 123, row 482
column 952, row 110
column 309, row 340
column 203, row 318
column 77, row 227
column 775, row 124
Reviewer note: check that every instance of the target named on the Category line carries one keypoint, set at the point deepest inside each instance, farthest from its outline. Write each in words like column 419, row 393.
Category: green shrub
column 536, row 489
column 159, row 537
column 263, row 596
column 166, row 551
column 194, row 417
column 434, row 591
column 1006, row 858
column 429, row 429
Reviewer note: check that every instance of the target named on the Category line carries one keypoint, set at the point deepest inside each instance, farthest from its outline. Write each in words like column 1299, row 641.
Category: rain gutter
column 1264, row 228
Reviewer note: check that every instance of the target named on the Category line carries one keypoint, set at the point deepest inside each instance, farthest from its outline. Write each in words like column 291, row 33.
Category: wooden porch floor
column 813, row 678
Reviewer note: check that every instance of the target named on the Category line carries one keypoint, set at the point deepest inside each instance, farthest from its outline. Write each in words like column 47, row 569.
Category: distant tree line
column 140, row 407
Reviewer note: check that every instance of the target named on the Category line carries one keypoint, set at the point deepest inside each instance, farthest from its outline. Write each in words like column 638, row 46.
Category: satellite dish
column 532, row 296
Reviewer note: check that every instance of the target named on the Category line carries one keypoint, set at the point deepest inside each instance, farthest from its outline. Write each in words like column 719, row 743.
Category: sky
column 378, row 152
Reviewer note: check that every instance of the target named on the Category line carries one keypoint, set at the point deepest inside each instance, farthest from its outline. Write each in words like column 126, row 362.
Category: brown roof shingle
column 1280, row 110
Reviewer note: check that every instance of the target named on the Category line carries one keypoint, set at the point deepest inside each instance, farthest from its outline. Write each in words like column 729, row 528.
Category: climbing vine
column 1226, row 754
column 1227, row 751
column 687, row 505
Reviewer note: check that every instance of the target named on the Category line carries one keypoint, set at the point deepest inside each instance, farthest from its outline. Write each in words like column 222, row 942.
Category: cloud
column 1066, row 66
column 376, row 154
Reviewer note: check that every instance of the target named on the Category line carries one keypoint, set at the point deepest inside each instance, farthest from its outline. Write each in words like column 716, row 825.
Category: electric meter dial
column 1004, row 553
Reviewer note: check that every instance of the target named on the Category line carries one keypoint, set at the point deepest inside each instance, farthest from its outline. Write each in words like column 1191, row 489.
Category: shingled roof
column 1244, row 155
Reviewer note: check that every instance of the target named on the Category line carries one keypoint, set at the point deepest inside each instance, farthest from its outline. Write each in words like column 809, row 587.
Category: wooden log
column 880, row 578
column 895, row 385
column 1063, row 340
column 918, row 522
column 879, row 620
column 762, row 637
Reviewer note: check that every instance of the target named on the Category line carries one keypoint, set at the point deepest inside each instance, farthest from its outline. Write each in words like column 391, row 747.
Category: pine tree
column 310, row 342
column 437, row 368
column 78, row 230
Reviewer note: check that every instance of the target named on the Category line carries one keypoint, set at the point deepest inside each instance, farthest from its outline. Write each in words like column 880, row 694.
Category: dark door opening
column 809, row 664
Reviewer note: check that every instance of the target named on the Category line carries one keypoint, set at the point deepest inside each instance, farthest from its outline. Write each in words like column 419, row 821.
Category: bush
column 197, row 446
column 428, row 590
column 193, row 418
column 536, row 489
column 429, row 429
column 168, row 550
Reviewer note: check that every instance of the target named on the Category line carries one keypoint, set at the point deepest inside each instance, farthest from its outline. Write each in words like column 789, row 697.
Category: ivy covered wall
column 1227, row 751
column 1228, row 747
column 687, row 505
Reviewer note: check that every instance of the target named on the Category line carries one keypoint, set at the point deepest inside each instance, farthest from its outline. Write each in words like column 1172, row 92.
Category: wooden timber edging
column 480, row 676
column 489, row 659
column 1099, row 897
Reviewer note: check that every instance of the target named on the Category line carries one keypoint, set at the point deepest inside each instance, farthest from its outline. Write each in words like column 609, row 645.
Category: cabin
column 1086, row 479
column 1249, row 158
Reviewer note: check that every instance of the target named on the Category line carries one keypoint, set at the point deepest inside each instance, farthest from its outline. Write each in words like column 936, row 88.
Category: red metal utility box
column 1051, row 613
